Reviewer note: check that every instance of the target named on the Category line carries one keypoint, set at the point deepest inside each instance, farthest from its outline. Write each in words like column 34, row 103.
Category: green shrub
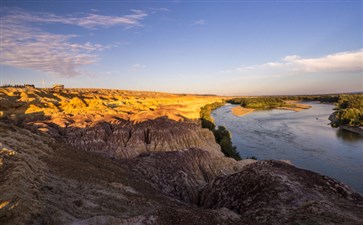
column 221, row 135
column 259, row 103
column 349, row 111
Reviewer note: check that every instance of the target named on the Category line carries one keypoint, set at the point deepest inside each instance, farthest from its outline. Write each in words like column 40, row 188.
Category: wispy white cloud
column 136, row 67
column 342, row 61
column 198, row 22
column 156, row 10
column 351, row 61
column 25, row 45
column 91, row 20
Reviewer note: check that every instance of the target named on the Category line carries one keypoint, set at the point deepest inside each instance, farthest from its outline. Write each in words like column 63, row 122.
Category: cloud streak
column 53, row 54
column 90, row 21
column 200, row 22
column 136, row 67
column 24, row 45
column 351, row 61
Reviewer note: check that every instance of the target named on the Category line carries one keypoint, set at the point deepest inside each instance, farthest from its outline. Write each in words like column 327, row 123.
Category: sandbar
column 240, row 111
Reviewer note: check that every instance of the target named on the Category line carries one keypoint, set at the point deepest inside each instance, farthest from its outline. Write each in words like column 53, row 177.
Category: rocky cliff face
column 43, row 181
column 127, row 140
column 181, row 174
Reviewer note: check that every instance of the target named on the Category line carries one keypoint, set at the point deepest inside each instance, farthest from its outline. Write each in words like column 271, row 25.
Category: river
column 305, row 138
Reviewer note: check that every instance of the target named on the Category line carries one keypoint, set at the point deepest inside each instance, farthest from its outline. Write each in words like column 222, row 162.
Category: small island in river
column 294, row 106
column 287, row 105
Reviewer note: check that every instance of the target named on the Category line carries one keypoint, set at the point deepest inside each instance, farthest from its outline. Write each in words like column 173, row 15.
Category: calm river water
column 304, row 138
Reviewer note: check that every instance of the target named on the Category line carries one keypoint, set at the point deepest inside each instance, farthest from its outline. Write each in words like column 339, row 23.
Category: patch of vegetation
column 221, row 134
column 205, row 114
column 311, row 98
column 224, row 139
column 349, row 111
column 252, row 157
column 259, row 103
column 271, row 102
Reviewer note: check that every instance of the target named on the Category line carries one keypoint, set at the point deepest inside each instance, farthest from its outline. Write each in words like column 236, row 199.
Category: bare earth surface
column 87, row 156
column 241, row 111
column 295, row 106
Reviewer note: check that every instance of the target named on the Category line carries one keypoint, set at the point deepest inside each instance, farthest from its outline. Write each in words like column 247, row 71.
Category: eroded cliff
column 125, row 139
column 43, row 181
column 274, row 192
column 82, row 157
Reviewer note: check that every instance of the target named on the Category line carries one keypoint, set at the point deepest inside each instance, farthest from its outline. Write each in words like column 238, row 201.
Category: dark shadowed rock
column 43, row 181
column 127, row 140
column 181, row 174
column 271, row 192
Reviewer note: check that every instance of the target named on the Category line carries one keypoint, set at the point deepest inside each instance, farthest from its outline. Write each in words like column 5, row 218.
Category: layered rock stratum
column 92, row 156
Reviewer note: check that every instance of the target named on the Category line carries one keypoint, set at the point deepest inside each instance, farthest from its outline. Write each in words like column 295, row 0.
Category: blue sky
column 219, row 47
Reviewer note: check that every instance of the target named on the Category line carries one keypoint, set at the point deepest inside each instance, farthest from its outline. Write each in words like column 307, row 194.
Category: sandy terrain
column 294, row 106
column 240, row 111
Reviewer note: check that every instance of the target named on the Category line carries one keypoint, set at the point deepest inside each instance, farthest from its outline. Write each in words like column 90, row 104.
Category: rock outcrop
column 272, row 192
column 127, row 140
column 43, row 181
column 181, row 174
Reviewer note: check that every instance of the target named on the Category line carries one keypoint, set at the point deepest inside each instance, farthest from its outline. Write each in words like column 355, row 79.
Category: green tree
column 349, row 111
column 221, row 135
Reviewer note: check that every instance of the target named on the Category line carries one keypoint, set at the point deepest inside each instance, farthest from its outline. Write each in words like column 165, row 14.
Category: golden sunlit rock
column 83, row 106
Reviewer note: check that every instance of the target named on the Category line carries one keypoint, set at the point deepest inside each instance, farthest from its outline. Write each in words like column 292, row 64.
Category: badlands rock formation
column 86, row 156
column 43, row 181
column 272, row 192
column 123, row 139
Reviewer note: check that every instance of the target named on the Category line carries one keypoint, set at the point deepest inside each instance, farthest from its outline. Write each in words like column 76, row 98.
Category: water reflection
column 348, row 136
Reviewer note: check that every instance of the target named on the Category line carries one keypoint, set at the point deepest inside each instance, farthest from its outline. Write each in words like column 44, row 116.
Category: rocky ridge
column 43, row 181
column 127, row 140
column 273, row 192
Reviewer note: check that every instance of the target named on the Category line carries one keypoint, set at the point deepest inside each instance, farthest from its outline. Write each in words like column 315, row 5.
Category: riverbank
column 356, row 130
column 221, row 134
